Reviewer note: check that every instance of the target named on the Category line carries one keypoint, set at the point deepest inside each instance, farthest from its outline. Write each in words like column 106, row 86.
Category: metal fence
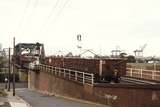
column 78, row 76
column 143, row 73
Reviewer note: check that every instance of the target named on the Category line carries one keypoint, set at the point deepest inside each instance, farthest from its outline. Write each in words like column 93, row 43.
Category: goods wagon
column 105, row 70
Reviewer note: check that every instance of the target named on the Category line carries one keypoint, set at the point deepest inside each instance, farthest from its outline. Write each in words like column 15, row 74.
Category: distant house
column 69, row 54
column 88, row 54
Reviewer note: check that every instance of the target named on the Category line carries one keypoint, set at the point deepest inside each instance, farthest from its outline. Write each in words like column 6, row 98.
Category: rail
column 143, row 73
column 73, row 75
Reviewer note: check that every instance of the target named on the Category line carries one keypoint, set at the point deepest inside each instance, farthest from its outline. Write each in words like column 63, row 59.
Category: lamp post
column 9, row 69
column 14, row 66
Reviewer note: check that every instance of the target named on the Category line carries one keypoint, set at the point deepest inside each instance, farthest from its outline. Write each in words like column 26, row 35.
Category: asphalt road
column 36, row 99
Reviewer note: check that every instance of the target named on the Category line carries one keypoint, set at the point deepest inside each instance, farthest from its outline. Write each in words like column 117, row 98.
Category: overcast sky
column 103, row 24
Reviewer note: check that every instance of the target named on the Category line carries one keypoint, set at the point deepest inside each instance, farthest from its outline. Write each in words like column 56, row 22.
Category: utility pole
column 9, row 68
column 14, row 66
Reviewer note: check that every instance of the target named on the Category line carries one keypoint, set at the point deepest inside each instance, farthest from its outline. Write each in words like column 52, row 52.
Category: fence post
column 76, row 75
column 59, row 72
column 55, row 71
column 92, row 78
column 52, row 70
column 83, row 78
column 64, row 73
column 152, row 74
column 69, row 74
column 44, row 67
column 49, row 69
column 131, row 72
column 40, row 67
column 141, row 72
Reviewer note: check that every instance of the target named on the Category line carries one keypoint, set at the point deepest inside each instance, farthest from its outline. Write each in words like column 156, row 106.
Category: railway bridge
column 84, row 79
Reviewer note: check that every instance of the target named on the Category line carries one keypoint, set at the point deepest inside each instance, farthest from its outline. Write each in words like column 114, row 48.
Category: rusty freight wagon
column 104, row 69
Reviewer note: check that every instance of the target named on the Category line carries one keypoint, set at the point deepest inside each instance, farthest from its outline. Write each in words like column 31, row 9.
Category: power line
column 50, row 15
column 23, row 16
column 34, row 6
column 60, row 11
column 35, row 3
column 53, row 9
column 30, row 16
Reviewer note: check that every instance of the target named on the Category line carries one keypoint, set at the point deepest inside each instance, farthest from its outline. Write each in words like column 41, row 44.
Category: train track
column 136, row 81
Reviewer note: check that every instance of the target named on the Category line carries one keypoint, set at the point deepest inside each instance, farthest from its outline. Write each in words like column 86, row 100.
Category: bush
column 2, row 93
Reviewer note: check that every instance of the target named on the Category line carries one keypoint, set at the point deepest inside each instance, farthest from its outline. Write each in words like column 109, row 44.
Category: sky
column 103, row 24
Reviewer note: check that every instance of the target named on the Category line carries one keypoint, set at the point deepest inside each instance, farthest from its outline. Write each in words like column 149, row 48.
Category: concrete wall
column 115, row 95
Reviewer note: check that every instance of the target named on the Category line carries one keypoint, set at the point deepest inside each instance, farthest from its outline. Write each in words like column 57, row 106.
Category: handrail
column 74, row 75
column 143, row 73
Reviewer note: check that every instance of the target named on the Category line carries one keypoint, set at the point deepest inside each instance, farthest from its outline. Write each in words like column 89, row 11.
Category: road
column 36, row 99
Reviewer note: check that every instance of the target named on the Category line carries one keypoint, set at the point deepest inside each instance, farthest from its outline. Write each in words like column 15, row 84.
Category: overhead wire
column 59, row 12
column 35, row 3
column 53, row 8
column 23, row 16
column 50, row 15
column 30, row 17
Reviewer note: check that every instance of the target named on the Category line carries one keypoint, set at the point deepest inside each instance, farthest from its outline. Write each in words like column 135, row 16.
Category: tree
column 69, row 54
column 2, row 61
column 131, row 59
column 122, row 55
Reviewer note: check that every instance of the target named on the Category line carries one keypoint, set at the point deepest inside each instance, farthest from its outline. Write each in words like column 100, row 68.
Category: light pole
column 9, row 69
column 14, row 66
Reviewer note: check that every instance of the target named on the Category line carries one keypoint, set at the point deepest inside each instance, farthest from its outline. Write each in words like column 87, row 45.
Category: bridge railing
column 143, row 73
column 74, row 75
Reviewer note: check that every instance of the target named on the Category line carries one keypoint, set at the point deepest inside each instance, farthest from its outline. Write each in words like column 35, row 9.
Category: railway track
column 136, row 81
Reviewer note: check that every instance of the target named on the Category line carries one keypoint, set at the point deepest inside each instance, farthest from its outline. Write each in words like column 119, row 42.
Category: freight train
column 27, row 55
column 105, row 70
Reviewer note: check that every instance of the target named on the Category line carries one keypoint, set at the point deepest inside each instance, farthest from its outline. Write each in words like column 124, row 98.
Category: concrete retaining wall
column 115, row 95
